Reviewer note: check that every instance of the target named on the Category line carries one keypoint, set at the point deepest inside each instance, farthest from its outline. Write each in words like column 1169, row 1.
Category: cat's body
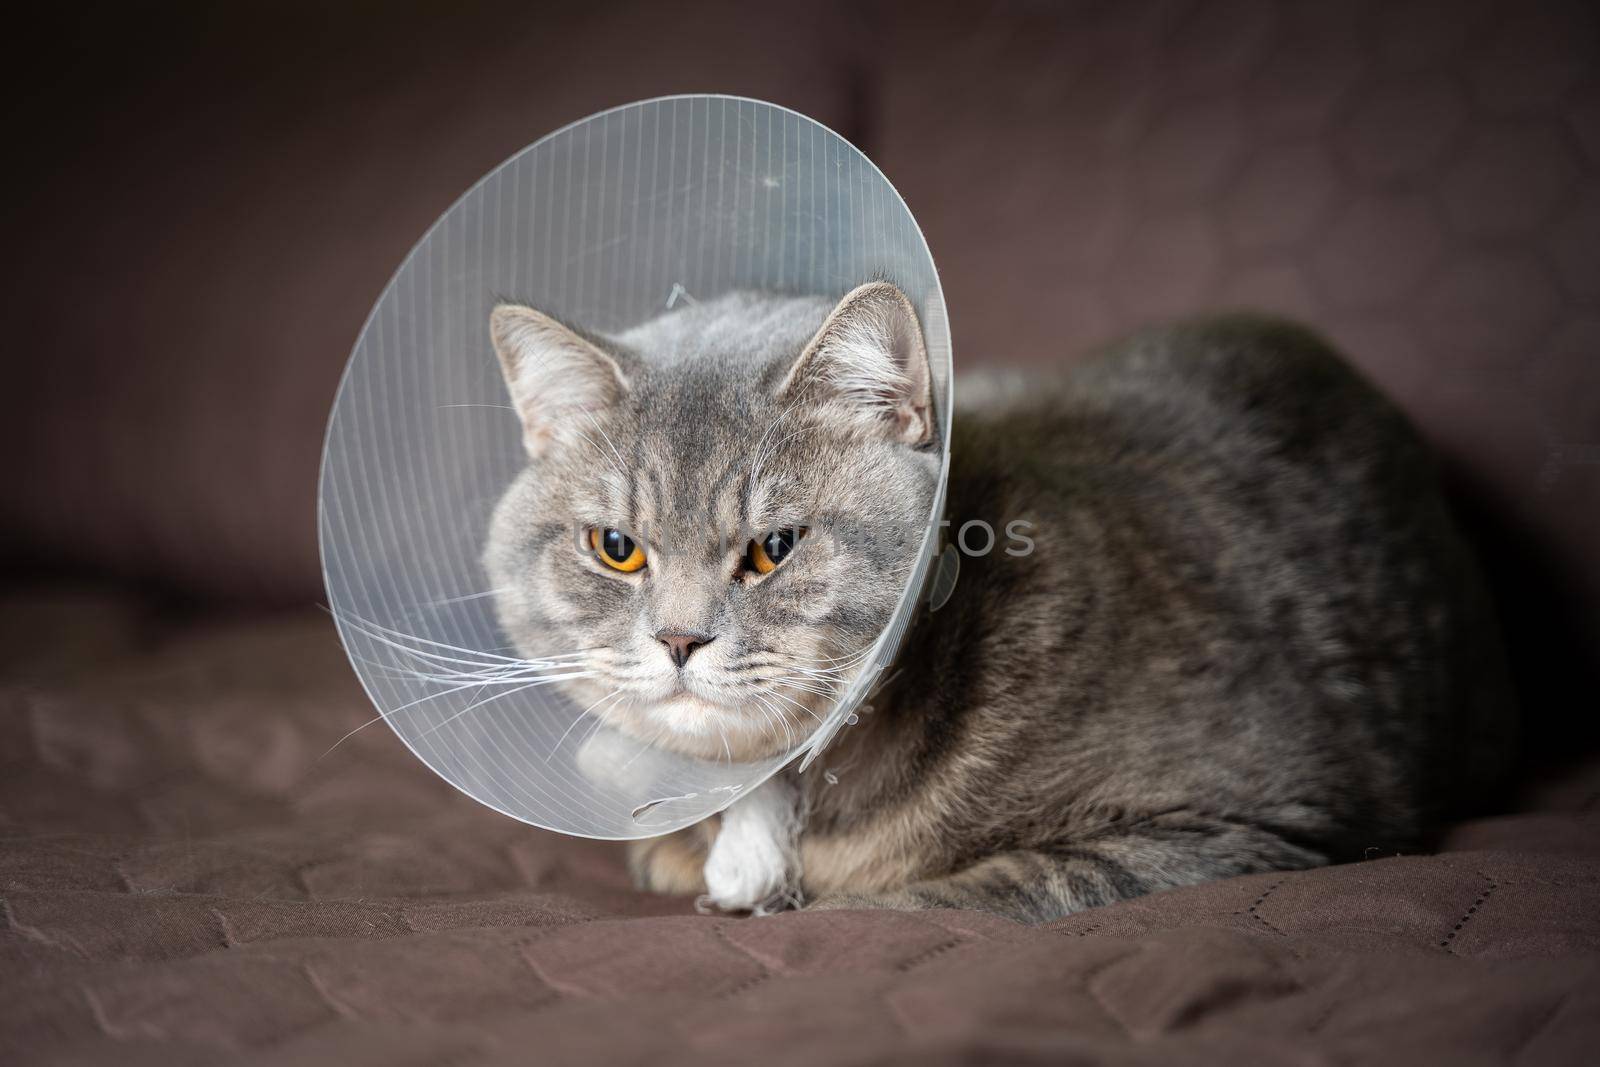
column 1247, row 637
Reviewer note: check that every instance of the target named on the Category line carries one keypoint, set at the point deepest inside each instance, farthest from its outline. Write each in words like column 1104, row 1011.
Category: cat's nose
column 682, row 643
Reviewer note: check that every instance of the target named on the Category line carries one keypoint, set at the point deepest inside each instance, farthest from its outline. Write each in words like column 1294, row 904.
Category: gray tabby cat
column 1247, row 638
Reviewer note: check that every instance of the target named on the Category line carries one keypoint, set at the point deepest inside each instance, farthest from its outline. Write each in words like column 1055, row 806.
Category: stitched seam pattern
column 1087, row 984
column 926, row 956
column 1447, row 943
column 1085, row 932
column 720, row 932
column 1256, row 915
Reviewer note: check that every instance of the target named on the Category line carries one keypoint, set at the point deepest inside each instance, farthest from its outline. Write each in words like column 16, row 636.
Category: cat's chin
column 692, row 725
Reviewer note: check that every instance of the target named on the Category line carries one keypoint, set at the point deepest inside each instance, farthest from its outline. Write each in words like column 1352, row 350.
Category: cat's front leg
column 673, row 864
column 754, row 864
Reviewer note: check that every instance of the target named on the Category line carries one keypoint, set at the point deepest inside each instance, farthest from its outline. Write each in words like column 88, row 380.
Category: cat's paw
column 752, row 874
column 752, row 865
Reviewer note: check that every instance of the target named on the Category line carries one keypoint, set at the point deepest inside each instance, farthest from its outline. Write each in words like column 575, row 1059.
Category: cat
column 1246, row 635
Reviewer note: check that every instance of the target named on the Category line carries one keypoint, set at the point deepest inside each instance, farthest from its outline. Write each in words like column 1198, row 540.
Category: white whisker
column 792, row 700
column 601, row 430
column 761, row 445
column 352, row 733
column 645, row 747
column 369, row 628
column 468, row 596
column 620, row 472
column 490, row 699
column 578, row 718
column 777, row 714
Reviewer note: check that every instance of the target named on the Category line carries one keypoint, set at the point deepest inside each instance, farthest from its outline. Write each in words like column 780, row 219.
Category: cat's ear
column 552, row 373
column 869, row 362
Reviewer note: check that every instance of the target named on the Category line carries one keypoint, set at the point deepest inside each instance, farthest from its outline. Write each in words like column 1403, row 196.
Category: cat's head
column 720, row 509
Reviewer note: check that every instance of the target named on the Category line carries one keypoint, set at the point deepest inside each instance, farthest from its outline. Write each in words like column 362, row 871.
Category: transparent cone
column 603, row 225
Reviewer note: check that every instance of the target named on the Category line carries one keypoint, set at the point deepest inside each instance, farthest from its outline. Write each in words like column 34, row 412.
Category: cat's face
column 720, row 510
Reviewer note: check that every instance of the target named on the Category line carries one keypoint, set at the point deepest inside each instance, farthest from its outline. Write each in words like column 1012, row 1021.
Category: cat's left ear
column 869, row 362
column 554, row 374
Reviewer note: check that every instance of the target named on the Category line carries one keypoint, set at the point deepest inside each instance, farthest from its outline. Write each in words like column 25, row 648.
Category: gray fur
column 1248, row 638
column 703, row 452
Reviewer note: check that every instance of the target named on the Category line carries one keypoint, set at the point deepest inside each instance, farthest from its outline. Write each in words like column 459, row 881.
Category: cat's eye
column 616, row 549
column 765, row 554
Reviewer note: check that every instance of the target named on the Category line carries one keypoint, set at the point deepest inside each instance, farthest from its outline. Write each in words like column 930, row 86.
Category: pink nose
column 681, row 644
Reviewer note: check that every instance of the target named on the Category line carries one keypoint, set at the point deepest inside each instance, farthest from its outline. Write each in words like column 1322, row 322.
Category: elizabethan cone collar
column 603, row 225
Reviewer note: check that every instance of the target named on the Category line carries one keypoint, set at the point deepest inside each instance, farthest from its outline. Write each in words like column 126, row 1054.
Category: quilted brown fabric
column 187, row 873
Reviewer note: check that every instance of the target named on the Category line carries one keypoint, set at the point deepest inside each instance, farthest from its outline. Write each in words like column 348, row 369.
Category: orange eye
column 773, row 549
column 616, row 549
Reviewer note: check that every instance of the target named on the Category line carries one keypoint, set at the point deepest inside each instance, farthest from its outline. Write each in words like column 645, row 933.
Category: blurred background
column 202, row 202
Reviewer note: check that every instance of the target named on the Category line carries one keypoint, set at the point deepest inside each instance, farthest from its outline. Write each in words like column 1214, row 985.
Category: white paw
column 752, row 862
column 738, row 881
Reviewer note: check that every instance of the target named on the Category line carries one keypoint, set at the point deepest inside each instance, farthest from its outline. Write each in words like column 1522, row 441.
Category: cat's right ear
column 553, row 375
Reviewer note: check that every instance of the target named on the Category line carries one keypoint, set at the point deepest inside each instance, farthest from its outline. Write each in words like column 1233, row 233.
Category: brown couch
column 188, row 871
column 200, row 208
